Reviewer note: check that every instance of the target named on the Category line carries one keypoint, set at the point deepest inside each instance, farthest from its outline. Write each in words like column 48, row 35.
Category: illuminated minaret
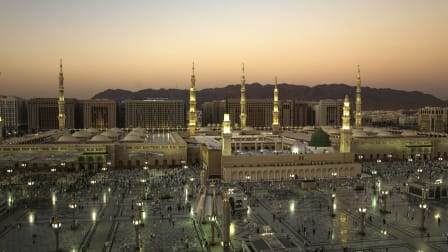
column 358, row 115
column 243, row 101
column 61, row 101
column 192, row 112
column 346, row 132
column 226, row 134
column 275, row 124
column 1, row 125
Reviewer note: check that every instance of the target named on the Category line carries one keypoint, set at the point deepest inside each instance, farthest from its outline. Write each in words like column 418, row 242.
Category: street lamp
column 136, row 221
column 333, row 175
column 419, row 173
column 384, row 198
column 139, row 204
column 374, row 172
column 333, row 196
column 247, row 183
column 362, row 212
column 423, row 208
column 56, row 225
column 93, row 182
column 9, row 171
column 73, row 206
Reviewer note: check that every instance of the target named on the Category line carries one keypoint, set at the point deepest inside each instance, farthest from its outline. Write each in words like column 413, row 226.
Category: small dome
column 110, row 133
column 409, row 133
column 100, row 139
column 359, row 134
column 332, row 131
column 92, row 130
column 132, row 138
column 249, row 131
column 308, row 128
column 320, row 139
column 81, row 134
column 384, row 134
column 204, row 129
column 67, row 139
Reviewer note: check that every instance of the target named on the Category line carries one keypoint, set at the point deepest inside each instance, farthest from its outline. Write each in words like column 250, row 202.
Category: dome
column 132, row 138
column 308, row 128
column 204, row 129
column 92, row 130
column 409, row 133
column 332, row 131
column 359, row 133
column 67, row 139
column 81, row 134
column 100, row 139
column 320, row 139
column 110, row 133
column 384, row 134
column 249, row 131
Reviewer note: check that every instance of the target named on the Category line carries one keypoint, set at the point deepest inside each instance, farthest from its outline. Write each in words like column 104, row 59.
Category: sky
column 134, row 45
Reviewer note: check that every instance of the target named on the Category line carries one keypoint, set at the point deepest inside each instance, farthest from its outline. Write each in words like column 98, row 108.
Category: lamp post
column 93, row 182
column 73, row 206
column 247, row 183
column 362, row 214
column 334, row 175
column 9, row 171
column 423, row 208
column 419, row 173
column 136, row 221
column 374, row 172
column 333, row 196
column 292, row 176
column 139, row 203
column 384, row 198
column 56, row 225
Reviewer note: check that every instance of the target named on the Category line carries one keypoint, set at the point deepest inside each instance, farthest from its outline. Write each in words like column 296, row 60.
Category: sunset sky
column 133, row 45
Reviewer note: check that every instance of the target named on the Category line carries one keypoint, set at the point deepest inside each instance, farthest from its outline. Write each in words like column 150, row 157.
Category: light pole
column 93, row 182
column 73, row 206
column 292, row 176
column 374, row 172
column 139, row 203
column 247, row 183
column 56, row 225
column 384, row 198
column 136, row 221
column 9, row 171
column 334, row 175
column 362, row 214
column 423, row 208
column 419, row 173
column 333, row 196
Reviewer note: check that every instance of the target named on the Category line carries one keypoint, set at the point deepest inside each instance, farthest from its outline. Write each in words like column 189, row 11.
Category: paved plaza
column 298, row 219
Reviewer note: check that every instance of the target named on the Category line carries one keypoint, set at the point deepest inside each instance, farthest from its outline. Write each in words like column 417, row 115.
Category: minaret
column 346, row 132
column 226, row 135
column 275, row 124
column 61, row 101
column 243, row 101
column 1, row 123
column 358, row 115
column 192, row 112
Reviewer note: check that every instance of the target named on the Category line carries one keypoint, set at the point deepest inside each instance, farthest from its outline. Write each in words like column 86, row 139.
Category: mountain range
column 372, row 98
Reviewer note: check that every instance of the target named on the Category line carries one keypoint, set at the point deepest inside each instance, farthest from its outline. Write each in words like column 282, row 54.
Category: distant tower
column 243, row 101
column 358, row 116
column 275, row 124
column 346, row 132
column 61, row 101
column 226, row 135
column 1, row 125
column 192, row 112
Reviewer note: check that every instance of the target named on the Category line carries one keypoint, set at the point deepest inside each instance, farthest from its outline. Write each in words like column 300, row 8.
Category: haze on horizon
column 133, row 45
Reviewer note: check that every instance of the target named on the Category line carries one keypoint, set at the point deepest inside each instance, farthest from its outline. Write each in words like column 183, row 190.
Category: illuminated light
column 93, row 216
column 104, row 198
column 186, row 194
column 248, row 210
column 53, row 198
column 144, row 215
column 192, row 211
column 374, row 202
column 108, row 189
column 10, row 200
column 31, row 217
column 232, row 229
column 292, row 206
column 437, row 215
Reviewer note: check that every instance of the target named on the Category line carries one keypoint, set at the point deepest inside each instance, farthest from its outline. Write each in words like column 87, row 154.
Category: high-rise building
column 43, row 114
column 329, row 112
column 154, row 113
column 433, row 119
column 13, row 114
column 101, row 113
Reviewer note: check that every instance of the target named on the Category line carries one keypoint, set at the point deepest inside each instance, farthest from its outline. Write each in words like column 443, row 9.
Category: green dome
column 320, row 139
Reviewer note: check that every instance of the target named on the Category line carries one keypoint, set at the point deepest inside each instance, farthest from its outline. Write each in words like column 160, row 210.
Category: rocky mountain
column 372, row 98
